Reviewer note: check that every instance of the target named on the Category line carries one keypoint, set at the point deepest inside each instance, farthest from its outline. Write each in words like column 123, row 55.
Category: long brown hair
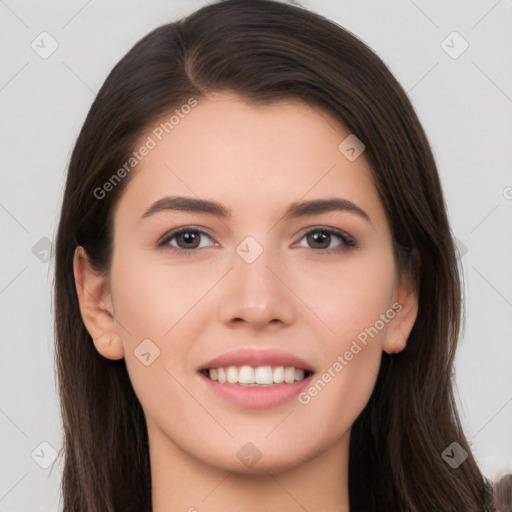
column 266, row 51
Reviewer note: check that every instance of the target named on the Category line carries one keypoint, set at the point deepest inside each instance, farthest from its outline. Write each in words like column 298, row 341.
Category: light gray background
column 464, row 103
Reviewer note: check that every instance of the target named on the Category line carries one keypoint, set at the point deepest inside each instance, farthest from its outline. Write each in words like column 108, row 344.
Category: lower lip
column 257, row 397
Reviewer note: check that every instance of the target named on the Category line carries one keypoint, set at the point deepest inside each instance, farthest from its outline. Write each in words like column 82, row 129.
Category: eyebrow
column 295, row 210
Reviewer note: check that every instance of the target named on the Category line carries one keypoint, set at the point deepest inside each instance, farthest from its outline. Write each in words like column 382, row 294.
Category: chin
column 250, row 461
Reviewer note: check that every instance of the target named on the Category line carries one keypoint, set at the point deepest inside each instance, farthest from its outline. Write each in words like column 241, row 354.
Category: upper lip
column 253, row 357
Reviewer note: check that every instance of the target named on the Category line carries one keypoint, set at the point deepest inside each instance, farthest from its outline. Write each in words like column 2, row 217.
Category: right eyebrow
column 188, row 204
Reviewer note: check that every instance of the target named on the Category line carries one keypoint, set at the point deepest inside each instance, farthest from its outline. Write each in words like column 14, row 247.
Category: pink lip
column 249, row 397
column 257, row 358
column 255, row 397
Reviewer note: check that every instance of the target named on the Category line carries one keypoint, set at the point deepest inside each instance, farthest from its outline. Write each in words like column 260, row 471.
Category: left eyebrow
column 294, row 211
column 318, row 206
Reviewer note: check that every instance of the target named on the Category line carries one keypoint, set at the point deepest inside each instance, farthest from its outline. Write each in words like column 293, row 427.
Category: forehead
column 249, row 157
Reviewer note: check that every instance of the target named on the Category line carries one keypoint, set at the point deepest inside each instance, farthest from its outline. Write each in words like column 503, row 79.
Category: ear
column 405, row 305
column 96, row 306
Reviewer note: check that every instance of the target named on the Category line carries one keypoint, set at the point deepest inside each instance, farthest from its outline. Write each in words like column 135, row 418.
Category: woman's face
column 259, row 281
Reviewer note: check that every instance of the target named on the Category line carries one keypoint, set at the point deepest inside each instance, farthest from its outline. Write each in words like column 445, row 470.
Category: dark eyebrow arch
column 295, row 210
column 317, row 206
column 188, row 204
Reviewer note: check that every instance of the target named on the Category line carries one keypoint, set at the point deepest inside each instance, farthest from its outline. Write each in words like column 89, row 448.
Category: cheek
column 354, row 304
column 159, row 312
column 337, row 395
column 151, row 296
column 348, row 297
column 148, row 309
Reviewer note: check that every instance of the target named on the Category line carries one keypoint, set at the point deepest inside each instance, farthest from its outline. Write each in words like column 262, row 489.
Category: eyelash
column 348, row 241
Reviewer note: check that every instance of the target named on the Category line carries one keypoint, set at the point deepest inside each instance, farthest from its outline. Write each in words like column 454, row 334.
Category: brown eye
column 319, row 240
column 323, row 239
column 186, row 239
column 190, row 239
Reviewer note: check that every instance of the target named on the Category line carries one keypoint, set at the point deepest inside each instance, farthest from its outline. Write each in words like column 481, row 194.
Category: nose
column 257, row 294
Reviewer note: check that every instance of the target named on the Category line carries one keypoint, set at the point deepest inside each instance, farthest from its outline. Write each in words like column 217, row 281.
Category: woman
column 257, row 297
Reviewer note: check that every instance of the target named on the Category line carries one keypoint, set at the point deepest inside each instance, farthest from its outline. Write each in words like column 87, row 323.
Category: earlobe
column 406, row 311
column 109, row 345
column 96, row 306
column 394, row 346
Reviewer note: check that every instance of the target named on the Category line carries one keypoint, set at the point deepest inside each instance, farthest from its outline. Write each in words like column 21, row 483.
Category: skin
column 295, row 297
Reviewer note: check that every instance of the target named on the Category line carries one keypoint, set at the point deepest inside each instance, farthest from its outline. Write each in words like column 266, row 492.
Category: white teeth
column 278, row 374
column 232, row 374
column 245, row 375
column 299, row 374
column 289, row 374
column 263, row 375
column 254, row 376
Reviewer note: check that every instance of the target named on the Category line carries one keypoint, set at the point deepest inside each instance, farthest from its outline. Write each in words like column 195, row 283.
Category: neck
column 183, row 483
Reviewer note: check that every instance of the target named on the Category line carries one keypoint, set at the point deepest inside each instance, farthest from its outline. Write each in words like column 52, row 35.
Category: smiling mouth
column 256, row 375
